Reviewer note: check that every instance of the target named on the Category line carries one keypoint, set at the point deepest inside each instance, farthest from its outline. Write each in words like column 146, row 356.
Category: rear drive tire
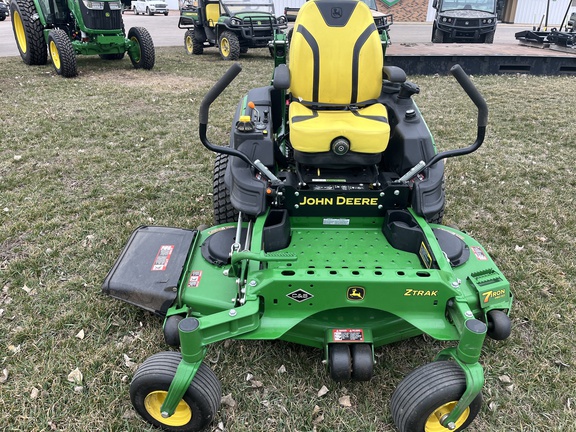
column 143, row 57
column 223, row 210
column 28, row 33
column 62, row 53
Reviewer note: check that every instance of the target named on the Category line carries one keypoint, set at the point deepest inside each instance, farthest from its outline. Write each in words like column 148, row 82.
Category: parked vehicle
column 382, row 20
column 67, row 29
column 233, row 26
column 150, row 7
column 328, row 204
column 3, row 11
column 464, row 21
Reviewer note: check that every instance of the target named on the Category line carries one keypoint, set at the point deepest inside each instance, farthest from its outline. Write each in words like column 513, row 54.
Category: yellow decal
column 489, row 295
column 419, row 293
column 309, row 201
column 355, row 293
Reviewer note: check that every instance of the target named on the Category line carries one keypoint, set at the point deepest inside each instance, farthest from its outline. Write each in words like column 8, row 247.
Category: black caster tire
column 362, row 361
column 499, row 325
column 171, row 333
column 339, row 362
column 150, row 385
column 429, row 393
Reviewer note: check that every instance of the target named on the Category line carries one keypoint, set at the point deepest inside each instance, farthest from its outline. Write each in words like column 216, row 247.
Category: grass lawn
column 84, row 161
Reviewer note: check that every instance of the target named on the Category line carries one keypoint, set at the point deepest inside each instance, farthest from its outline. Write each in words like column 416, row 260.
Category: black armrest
column 281, row 80
column 394, row 74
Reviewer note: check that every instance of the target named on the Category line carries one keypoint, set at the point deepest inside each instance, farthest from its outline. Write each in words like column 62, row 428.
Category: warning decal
column 162, row 258
column 195, row 277
column 479, row 253
column 348, row 335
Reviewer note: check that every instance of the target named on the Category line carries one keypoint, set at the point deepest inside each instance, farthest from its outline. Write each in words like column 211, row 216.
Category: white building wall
column 532, row 11
column 279, row 5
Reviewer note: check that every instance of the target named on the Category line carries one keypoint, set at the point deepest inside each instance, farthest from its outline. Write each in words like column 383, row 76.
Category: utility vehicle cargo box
column 147, row 272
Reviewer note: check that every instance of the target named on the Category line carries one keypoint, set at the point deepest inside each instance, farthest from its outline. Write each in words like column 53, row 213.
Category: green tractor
column 233, row 26
column 71, row 27
column 328, row 205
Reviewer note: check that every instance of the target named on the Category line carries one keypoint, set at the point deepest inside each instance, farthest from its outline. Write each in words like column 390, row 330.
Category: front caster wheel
column 150, row 386
column 339, row 362
column 499, row 325
column 362, row 361
column 427, row 395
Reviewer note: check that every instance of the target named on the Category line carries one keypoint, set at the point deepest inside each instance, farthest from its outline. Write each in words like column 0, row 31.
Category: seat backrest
column 212, row 13
column 335, row 53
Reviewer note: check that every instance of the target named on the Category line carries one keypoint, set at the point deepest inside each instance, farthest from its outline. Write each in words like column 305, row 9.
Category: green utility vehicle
column 233, row 26
column 71, row 27
column 464, row 21
column 328, row 206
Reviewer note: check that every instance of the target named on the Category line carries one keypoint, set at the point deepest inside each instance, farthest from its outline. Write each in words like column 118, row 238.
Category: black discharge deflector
column 147, row 272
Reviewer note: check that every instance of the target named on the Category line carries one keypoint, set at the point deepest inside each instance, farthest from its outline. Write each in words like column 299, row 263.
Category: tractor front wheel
column 229, row 46
column 423, row 399
column 62, row 53
column 150, row 385
column 142, row 55
column 28, row 32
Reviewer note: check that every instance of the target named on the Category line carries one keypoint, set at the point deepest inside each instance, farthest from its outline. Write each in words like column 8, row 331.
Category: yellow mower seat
column 335, row 68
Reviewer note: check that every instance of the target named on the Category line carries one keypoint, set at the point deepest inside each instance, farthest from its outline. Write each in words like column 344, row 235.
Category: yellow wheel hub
column 225, row 47
column 54, row 55
column 189, row 45
column 20, row 32
column 153, row 402
column 433, row 422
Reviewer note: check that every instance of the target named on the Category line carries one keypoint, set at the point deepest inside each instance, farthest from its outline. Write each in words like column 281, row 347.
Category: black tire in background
column 28, row 33
column 62, row 53
column 145, row 57
column 229, row 46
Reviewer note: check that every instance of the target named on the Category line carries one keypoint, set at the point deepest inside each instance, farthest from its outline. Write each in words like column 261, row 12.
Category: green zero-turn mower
column 71, row 27
column 328, row 203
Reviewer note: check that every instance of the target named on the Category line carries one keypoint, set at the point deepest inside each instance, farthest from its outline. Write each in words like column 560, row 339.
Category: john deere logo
column 355, row 293
column 336, row 12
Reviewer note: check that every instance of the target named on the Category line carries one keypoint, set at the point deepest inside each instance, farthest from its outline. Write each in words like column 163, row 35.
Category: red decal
column 479, row 253
column 162, row 258
column 195, row 277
